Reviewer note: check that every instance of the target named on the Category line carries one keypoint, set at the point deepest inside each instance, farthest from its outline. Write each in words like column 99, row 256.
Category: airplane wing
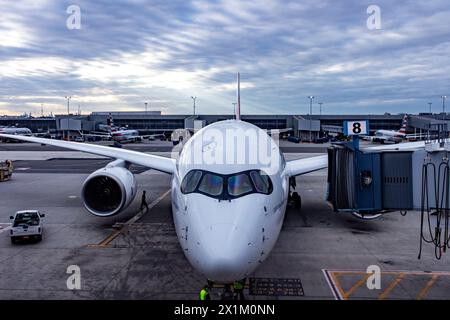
column 302, row 166
column 159, row 163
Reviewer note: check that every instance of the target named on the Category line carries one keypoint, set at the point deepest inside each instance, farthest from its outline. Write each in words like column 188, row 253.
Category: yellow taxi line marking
column 105, row 242
column 391, row 286
column 356, row 286
column 334, row 276
column 427, row 287
column 415, row 273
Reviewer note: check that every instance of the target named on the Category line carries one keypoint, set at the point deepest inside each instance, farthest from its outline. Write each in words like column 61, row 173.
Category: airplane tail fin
column 404, row 124
column 238, row 107
column 110, row 123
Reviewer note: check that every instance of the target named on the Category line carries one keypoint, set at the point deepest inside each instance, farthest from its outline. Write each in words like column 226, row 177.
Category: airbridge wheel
column 366, row 216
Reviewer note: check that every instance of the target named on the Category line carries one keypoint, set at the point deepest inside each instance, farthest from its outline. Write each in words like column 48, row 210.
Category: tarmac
column 136, row 255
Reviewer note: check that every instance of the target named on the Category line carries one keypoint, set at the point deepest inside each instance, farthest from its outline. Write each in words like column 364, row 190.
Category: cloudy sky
column 164, row 52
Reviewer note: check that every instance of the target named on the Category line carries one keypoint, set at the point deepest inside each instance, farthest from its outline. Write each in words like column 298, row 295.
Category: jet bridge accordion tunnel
column 369, row 183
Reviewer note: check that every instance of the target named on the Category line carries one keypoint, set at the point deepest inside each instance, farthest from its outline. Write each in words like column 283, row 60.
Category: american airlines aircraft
column 230, row 187
column 121, row 135
column 383, row 136
column 14, row 131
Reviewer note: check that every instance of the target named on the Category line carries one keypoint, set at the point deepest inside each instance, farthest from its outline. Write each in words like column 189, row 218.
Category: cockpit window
column 211, row 184
column 261, row 181
column 226, row 186
column 239, row 184
column 191, row 181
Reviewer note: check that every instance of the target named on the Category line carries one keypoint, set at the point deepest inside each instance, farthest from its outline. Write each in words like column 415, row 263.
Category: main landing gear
column 294, row 198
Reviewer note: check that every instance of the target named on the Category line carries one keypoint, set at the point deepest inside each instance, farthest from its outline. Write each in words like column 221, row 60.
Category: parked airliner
column 14, row 131
column 383, row 136
column 118, row 134
column 229, row 191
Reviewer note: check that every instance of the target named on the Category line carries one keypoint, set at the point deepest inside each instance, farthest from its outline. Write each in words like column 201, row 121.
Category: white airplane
column 227, row 216
column 121, row 135
column 14, row 131
column 383, row 136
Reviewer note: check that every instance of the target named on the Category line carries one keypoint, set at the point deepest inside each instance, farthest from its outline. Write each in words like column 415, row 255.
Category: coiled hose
column 441, row 194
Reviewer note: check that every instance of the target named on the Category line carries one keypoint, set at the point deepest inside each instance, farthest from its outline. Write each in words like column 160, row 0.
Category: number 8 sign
column 352, row 128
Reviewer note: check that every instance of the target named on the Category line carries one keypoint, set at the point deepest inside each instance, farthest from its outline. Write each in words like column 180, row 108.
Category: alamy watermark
column 374, row 280
column 73, row 21
column 232, row 146
column 74, row 280
column 374, row 20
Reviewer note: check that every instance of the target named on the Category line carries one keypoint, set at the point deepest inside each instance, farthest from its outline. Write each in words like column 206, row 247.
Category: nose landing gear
column 234, row 291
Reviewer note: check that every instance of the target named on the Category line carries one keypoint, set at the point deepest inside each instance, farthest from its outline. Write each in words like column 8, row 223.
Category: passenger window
column 190, row 181
column 211, row 184
column 239, row 184
column 261, row 181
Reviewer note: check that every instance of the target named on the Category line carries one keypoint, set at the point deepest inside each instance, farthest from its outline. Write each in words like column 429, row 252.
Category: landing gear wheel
column 297, row 200
column 366, row 216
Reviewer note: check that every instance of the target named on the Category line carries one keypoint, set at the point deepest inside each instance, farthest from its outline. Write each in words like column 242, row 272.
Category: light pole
column 193, row 99
column 145, row 103
column 430, row 103
column 320, row 107
column 443, row 103
column 68, row 104
column 310, row 114
column 234, row 108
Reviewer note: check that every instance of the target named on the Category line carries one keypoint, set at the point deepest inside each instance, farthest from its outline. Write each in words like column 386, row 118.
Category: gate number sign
column 352, row 128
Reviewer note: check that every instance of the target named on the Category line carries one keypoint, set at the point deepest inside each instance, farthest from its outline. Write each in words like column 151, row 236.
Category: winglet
column 238, row 109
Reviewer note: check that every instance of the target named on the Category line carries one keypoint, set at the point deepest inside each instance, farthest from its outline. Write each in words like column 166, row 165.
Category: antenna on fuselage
column 238, row 109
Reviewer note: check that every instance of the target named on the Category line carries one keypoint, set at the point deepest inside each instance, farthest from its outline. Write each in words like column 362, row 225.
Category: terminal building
column 302, row 126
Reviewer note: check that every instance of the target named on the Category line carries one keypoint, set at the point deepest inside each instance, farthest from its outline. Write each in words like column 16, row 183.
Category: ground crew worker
column 204, row 293
column 239, row 290
column 144, row 201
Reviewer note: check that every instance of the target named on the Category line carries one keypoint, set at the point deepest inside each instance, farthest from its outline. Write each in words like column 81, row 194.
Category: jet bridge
column 416, row 176
column 368, row 183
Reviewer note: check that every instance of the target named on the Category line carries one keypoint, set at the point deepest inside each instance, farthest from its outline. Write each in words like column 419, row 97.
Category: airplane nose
column 227, row 253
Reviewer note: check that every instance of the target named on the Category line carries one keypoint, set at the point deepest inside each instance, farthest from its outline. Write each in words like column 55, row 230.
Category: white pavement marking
column 4, row 227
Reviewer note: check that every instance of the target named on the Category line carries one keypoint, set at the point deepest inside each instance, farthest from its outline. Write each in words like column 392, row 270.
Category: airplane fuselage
column 125, row 135
column 224, row 237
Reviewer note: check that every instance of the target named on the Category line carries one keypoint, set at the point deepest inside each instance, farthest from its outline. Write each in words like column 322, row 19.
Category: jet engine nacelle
column 109, row 190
